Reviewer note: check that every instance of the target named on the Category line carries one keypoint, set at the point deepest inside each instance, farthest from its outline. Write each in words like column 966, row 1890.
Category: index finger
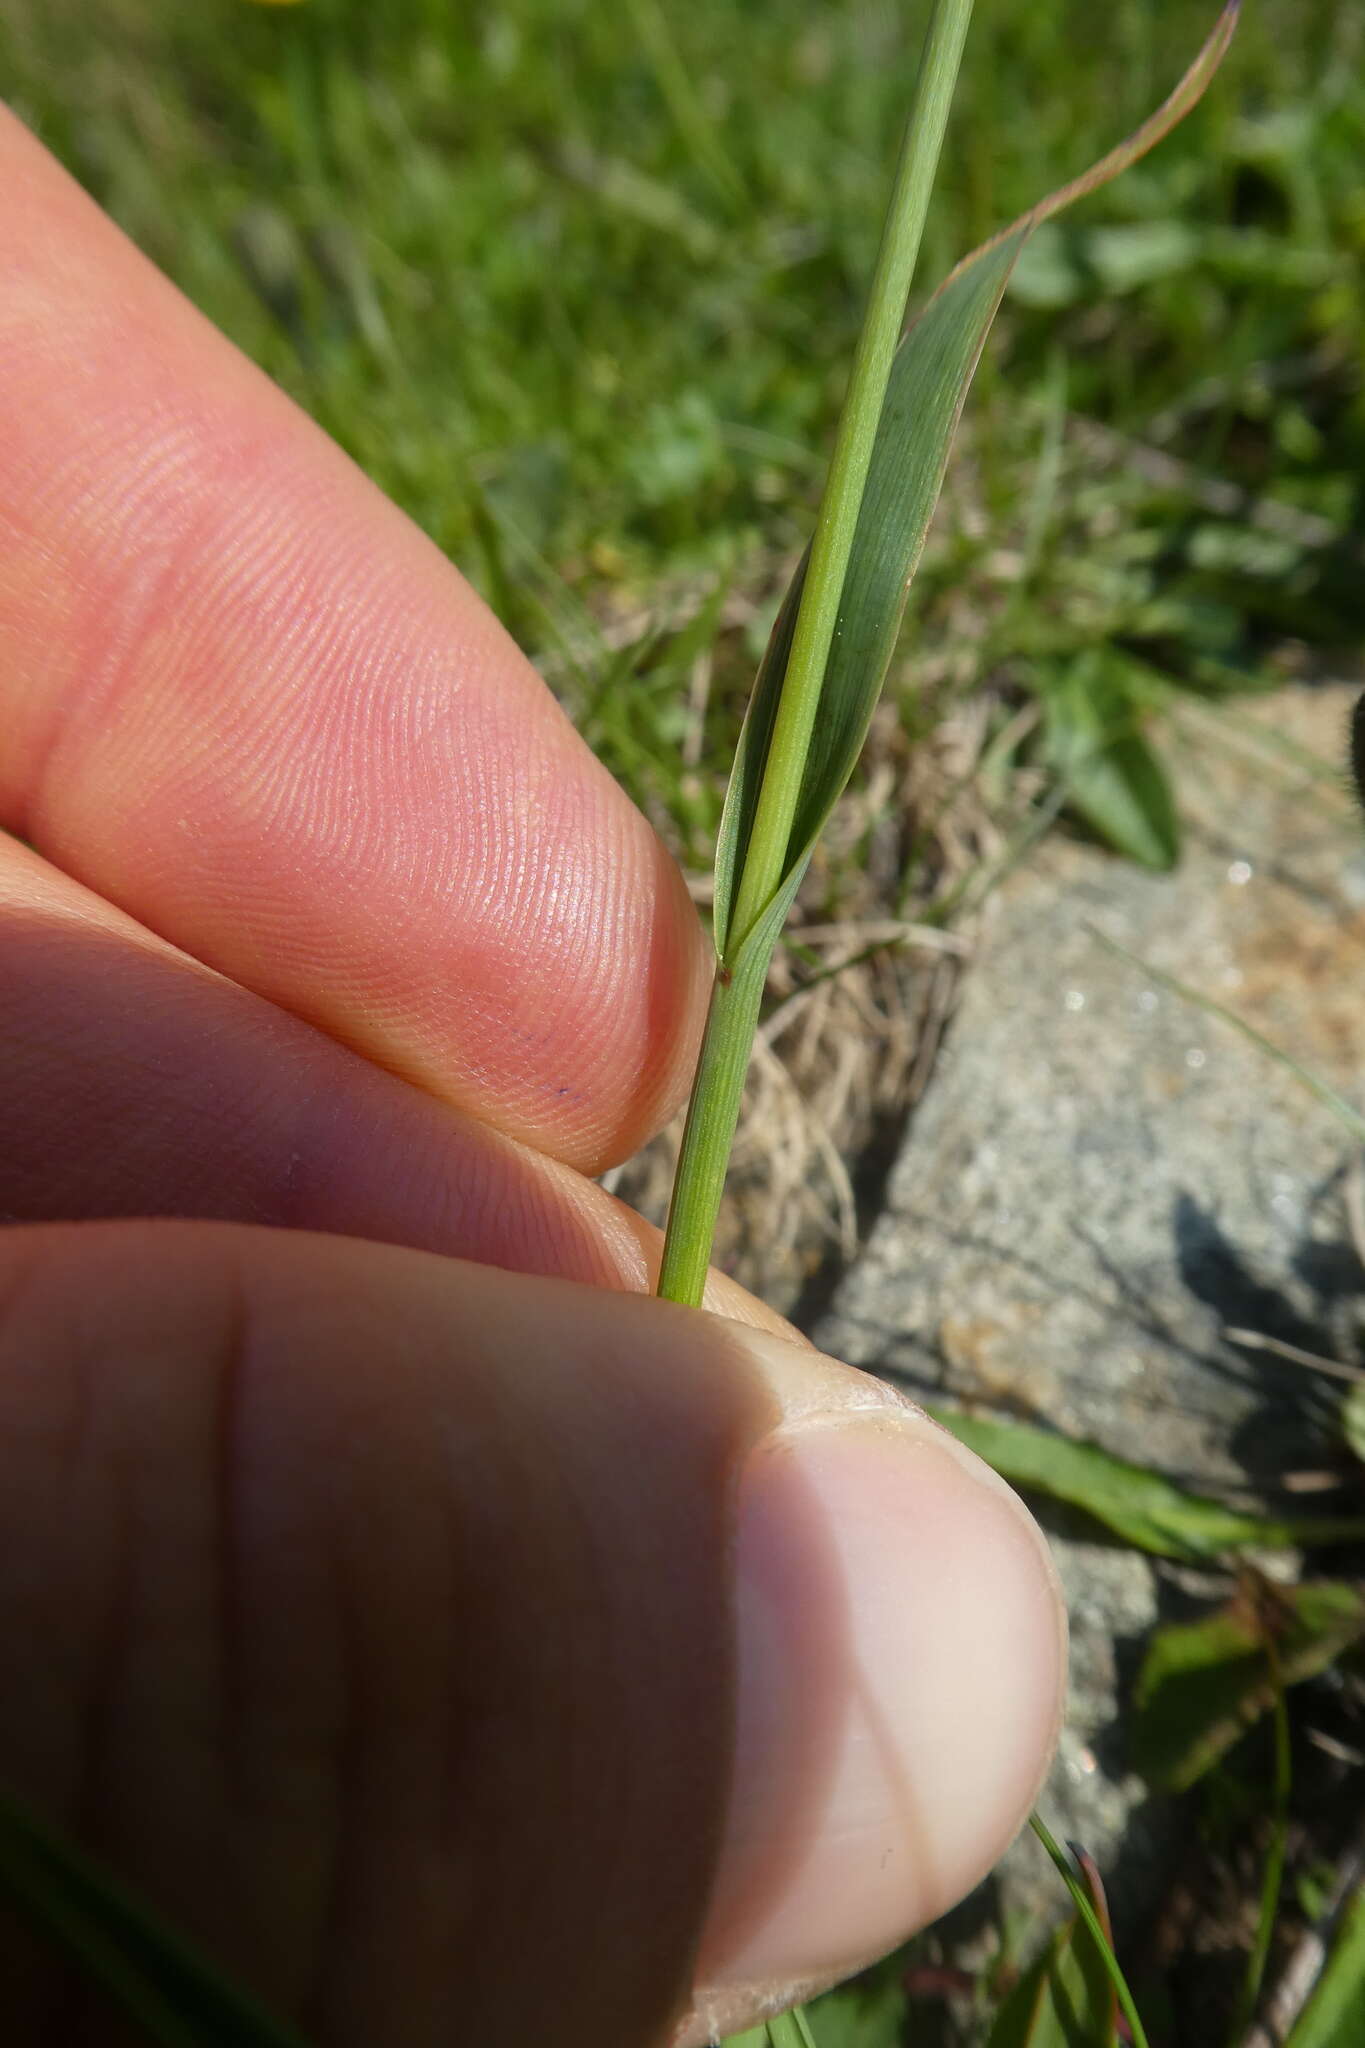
column 246, row 700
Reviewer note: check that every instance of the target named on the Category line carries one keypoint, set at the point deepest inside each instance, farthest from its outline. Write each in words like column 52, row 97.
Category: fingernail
column 901, row 1658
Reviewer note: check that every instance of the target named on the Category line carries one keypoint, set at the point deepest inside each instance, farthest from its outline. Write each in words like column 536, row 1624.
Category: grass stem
column 708, row 1134
column 832, row 543
column 735, row 1002
column 1084, row 1905
column 1273, row 1877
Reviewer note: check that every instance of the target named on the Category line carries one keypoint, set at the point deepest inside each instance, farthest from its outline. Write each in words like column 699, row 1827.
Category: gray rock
column 1102, row 1179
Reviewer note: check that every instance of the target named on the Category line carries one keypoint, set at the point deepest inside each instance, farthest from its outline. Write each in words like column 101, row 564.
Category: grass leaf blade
column 751, row 753
column 1085, row 1907
column 1272, row 1878
column 1331, row 2018
column 925, row 393
column 768, row 830
column 144, row 1966
column 1063, row 2000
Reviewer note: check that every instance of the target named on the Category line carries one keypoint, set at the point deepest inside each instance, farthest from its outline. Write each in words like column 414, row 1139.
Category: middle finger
column 141, row 1083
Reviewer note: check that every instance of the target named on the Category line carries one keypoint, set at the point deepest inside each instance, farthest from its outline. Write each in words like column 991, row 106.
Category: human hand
column 457, row 1651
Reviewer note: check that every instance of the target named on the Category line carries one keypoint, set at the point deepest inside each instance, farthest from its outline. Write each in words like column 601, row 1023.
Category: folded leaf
column 1142, row 1507
column 930, row 377
column 829, row 713
column 1123, row 794
column 1114, row 781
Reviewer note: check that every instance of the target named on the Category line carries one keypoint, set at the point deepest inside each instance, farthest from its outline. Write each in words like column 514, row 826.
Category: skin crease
column 292, row 1457
column 398, row 1585
column 259, row 1118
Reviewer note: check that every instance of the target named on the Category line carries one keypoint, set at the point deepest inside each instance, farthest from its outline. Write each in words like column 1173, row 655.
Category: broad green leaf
column 1122, row 793
column 173, row 1995
column 1332, row 2017
column 1203, row 1683
column 1063, row 2000
column 929, row 380
column 1142, row 1507
column 868, row 2012
column 1114, row 781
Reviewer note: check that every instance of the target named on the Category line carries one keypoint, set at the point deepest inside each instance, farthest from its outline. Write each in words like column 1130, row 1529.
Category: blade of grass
column 1273, row 1877
column 836, row 631
column 930, row 375
column 1065, row 1999
column 836, row 526
column 145, row 1968
column 690, row 118
column 1080, row 1893
column 794, row 669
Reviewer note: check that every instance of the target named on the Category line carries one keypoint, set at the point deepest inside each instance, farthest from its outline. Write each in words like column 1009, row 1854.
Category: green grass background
column 579, row 284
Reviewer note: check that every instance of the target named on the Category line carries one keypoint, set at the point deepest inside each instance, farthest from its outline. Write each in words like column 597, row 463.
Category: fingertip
column 248, row 701
column 901, row 1646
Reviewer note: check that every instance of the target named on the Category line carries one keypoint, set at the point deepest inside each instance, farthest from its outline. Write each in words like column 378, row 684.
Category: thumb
column 465, row 1657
